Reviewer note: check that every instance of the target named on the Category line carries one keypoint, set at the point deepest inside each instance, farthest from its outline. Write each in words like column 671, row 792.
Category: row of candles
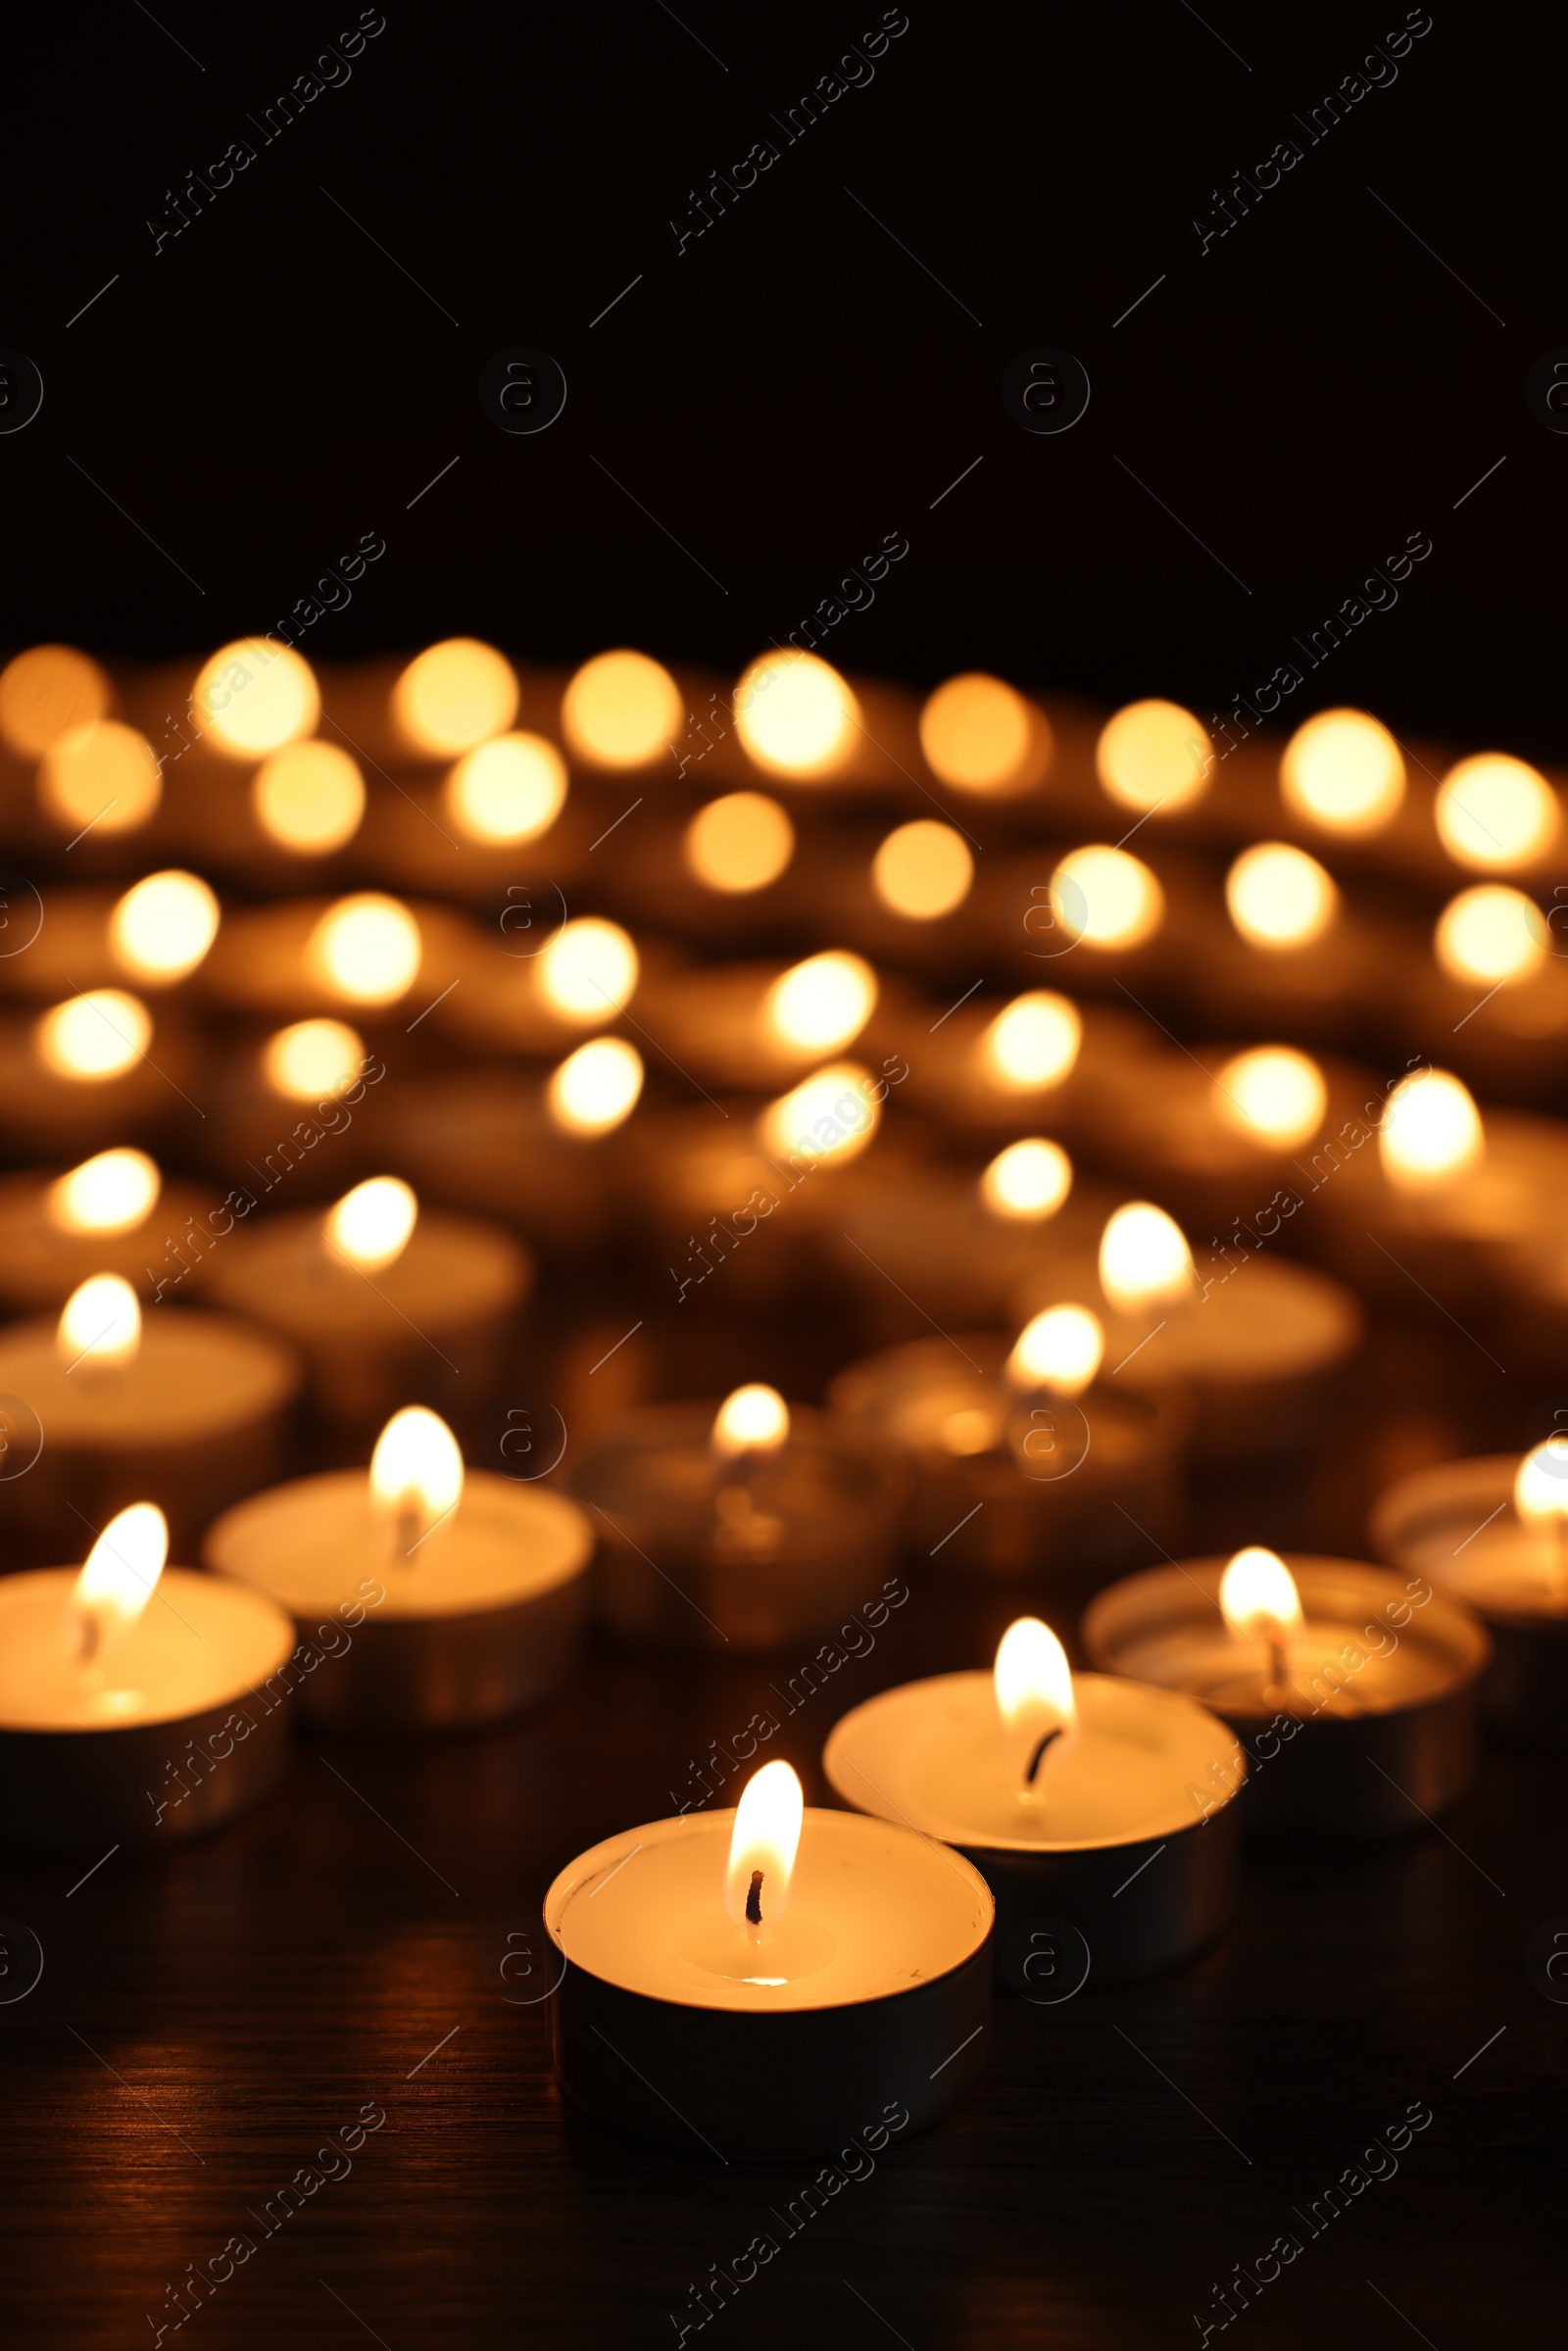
column 772, row 1962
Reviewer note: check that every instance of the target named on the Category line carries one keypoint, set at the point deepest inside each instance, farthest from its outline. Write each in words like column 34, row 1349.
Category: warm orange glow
column 1258, row 1591
column 309, row 798
column 1540, row 1487
column 253, row 697
column 763, row 1848
column 589, row 970
column 100, row 1325
column 739, row 843
column 1495, row 811
column 1033, row 1685
column 311, row 1059
column 821, row 1005
column 46, row 692
column 1028, row 1181
column 753, row 1420
column 113, row 1192
column 103, row 775
column 1279, row 896
column 622, row 710
column 1431, row 1131
column 1490, row 933
column 1342, row 770
column 1154, row 754
column 119, row 1578
column 415, row 1475
column 796, row 716
column 1144, row 1258
column 96, row 1035
column 161, row 929
column 1274, row 1093
column 1060, row 1350
column 1106, row 897
column 455, row 694
column 832, row 1115
column 372, row 1225
column 365, row 948
column 922, row 870
column 596, row 1086
column 1032, row 1042
column 512, row 788
column 980, row 736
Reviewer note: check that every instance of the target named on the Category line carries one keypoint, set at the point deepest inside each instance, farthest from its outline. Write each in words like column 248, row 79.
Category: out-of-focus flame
column 96, row 1035
column 309, row 798
column 311, row 1059
column 113, row 1192
column 1060, row 1350
column 1154, row 754
column 1029, row 1180
column 738, row 844
column 1342, row 770
column 1258, row 1590
column 977, row 735
column 512, row 788
column 1273, row 1093
column 162, row 926
column 416, row 1475
column 1032, row 1042
column 253, row 697
column 100, row 1325
column 589, row 970
column 762, row 1846
column 1431, row 1130
column 1106, row 897
column 44, row 692
column 372, row 1225
column 1490, row 933
column 795, row 715
column 1279, row 897
column 922, row 870
column 367, row 949
column 1144, row 1258
column 118, row 1579
column 595, row 1088
column 1540, row 1488
column 452, row 696
column 821, row 1005
column 831, row 1115
column 755, row 1419
column 1495, row 811
column 622, row 710
column 101, row 776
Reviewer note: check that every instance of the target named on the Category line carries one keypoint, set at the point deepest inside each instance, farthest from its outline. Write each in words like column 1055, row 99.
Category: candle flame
column 595, row 1088
column 367, row 948
column 1034, row 1041
column 254, row 695
column 1541, row 1489
column 821, row 1005
column 309, row 798
column 119, row 1577
column 1035, row 1695
column 100, row 1324
column 1279, row 897
column 44, row 692
column 311, row 1059
column 111, row 1193
column 976, row 733
column 1342, row 770
column 372, row 1225
column 1029, row 1180
column 1060, row 1350
column 831, row 1115
column 739, row 844
column 1497, row 811
column 622, row 710
column 1154, row 754
column 1144, row 1258
column 161, row 929
column 1272, row 1092
column 102, row 775
column 762, row 1846
column 455, row 694
column 1431, row 1130
column 795, row 715
column 755, row 1419
column 415, row 1475
column 589, row 970
column 509, row 789
column 96, row 1035
column 922, row 870
column 1490, row 933
column 1106, row 897
column 1258, row 1590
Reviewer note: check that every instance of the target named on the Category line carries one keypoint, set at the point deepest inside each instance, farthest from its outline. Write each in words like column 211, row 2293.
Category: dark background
column 1314, row 387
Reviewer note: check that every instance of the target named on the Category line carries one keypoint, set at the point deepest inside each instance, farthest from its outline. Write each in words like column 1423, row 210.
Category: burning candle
column 1155, row 757
column 100, row 1216
column 739, row 844
column 622, row 711
column 1106, row 899
column 1356, row 1689
column 475, row 1583
column 1493, row 1533
column 383, row 1299
column 362, row 953
column 980, row 735
column 760, row 1024
column 922, row 871
column 138, row 1702
column 162, row 927
column 748, row 1527
column 1342, row 773
column 253, row 697
column 93, row 1063
column 583, row 978
column 185, row 1408
column 1497, row 812
column 1217, row 1137
column 1069, row 1792
column 44, row 692
column 452, row 696
column 308, row 798
column 767, row 1981
column 103, row 775
column 996, row 1069
column 796, row 717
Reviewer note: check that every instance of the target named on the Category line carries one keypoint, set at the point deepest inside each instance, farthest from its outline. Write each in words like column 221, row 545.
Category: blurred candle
column 311, row 1059
column 454, row 696
column 1490, row 934
column 622, row 710
column 94, row 1036
column 1279, row 897
column 509, row 789
column 923, row 871
column 796, row 716
column 255, row 696
column 1342, row 771
column 1272, row 1093
column 162, row 927
column 309, row 798
column 1431, row 1133
column 596, row 1087
column 366, row 948
column 101, row 775
column 1492, row 810
column 1028, row 1181
column 739, row 843
column 1107, row 898
column 1155, row 755
column 45, row 693
column 589, row 970
column 114, row 1193
column 978, row 735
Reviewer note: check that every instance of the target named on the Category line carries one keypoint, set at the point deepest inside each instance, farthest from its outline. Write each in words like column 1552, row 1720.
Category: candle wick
column 753, row 1899
column 1038, row 1758
column 1278, row 1659
column 91, row 1636
column 406, row 1526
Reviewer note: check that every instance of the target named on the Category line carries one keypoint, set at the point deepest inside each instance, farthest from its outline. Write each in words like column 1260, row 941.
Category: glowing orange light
column 46, row 692
column 622, row 710
column 94, row 1036
column 309, row 798
column 763, row 1848
column 755, row 1419
column 255, row 696
column 739, row 843
column 311, row 1059
column 980, row 736
column 796, row 716
column 112, row 1193
column 595, row 1088
column 1344, row 771
column 101, row 774
column 1154, row 754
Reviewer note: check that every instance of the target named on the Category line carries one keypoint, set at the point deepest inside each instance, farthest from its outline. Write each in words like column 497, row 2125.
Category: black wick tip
column 1037, row 1757
column 753, row 1899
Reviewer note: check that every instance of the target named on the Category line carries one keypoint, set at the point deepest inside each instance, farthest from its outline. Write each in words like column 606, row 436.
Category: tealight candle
column 761, row 1024
column 1017, row 1450
column 1155, row 758
column 185, row 1408
column 92, row 1062
column 363, row 953
column 622, row 711
column 1356, row 1688
column 1069, row 1792
column 111, row 1214
column 482, row 1581
column 46, row 691
column 999, row 1069
column 771, row 1981
column 583, row 978
column 1287, row 952
column 153, row 935
column 381, row 1297
column 120, row 1678
column 1494, row 987
column 1497, row 812
column 1493, row 1533
column 1342, row 773
column 979, row 735
column 1220, row 1134
column 746, row 1528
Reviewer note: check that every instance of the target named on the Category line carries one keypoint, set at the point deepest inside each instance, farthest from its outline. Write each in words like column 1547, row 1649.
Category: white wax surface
column 1270, row 1320
column 1455, row 1524
column 1234, row 1673
column 41, row 1265
column 937, row 1756
column 454, row 1271
column 194, row 1376
column 312, row 1542
column 873, row 1910
column 201, row 1642
column 926, row 1399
